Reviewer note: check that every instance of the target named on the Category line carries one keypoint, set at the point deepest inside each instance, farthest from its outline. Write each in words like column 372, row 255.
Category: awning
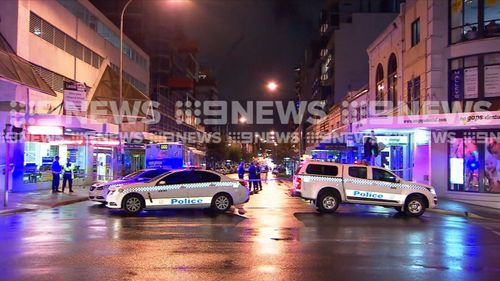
column 19, row 70
column 108, row 90
column 450, row 121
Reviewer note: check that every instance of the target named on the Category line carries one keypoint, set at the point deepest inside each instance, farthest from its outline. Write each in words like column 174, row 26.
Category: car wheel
column 221, row 202
column 414, row 206
column 133, row 204
column 399, row 209
column 328, row 202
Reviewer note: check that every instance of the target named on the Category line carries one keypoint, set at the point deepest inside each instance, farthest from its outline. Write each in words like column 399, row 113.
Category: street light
column 272, row 86
column 120, row 99
column 243, row 119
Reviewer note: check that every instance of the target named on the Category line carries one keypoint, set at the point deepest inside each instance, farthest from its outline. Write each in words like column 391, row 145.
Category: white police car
column 186, row 188
column 99, row 190
column 329, row 184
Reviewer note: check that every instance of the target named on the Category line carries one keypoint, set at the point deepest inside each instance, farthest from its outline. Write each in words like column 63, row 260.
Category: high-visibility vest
column 68, row 170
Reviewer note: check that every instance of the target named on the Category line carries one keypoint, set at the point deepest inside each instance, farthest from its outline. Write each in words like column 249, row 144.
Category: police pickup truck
column 329, row 184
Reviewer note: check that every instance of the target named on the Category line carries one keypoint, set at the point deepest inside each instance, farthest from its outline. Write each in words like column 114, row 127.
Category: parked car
column 184, row 188
column 99, row 190
column 328, row 184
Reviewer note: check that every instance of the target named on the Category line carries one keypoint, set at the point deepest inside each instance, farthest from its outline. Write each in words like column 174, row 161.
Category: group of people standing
column 254, row 175
column 66, row 170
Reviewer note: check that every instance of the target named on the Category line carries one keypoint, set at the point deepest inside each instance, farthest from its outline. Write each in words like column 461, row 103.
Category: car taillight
column 244, row 183
column 297, row 183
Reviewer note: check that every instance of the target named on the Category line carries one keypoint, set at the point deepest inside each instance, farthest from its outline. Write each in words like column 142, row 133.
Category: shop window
column 464, row 165
column 492, row 165
column 475, row 163
column 415, row 32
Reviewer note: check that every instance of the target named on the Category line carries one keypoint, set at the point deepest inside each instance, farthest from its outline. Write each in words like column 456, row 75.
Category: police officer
column 56, row 174
column 241, row 171
column 252, row 176
column 258, row 170
column 68, row 176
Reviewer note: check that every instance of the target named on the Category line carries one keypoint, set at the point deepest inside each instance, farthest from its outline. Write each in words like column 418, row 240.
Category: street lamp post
column 120, row 99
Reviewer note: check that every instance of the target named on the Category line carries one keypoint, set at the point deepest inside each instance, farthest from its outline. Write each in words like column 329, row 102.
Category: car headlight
column 115, row 186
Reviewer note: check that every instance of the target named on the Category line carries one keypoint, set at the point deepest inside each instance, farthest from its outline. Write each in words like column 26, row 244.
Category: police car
column 185, row 188
column 99, row 190
column 329, row 184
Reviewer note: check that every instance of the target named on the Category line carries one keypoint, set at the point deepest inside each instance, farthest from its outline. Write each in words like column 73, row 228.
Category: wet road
column 281, row 238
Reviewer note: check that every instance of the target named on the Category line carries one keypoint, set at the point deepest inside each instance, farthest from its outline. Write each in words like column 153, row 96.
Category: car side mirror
column 162, row 183
column 398, row 180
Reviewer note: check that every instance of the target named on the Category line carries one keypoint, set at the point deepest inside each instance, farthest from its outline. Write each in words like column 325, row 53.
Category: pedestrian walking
column 252, row 177
column 56, row 174
column 258, row 169
column 68, row 176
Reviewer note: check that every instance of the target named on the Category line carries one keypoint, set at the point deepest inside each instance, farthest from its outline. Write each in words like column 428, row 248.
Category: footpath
column 41, row 199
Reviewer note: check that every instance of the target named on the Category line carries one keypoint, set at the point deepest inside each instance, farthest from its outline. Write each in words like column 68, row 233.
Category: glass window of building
column 491, row 75
column 392, row 78
column 492, row 18
column 475, row 77
column 415, row 32
column 414, row 96
column 473, row 19
column 38, row 158
column 474, row 164
column 379, row 83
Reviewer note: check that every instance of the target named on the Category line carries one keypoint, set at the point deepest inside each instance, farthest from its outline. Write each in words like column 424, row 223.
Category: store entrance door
column 102, row 165
column 397, row 162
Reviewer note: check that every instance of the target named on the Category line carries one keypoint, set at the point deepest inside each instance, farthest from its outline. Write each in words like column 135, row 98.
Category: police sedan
column 186, row 188
column 99, row 190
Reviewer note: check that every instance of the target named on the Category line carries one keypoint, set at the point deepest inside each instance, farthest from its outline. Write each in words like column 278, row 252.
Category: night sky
column 247, row 42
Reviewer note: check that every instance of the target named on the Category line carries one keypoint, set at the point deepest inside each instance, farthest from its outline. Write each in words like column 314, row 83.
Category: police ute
column 185, row 188
column 329, row 184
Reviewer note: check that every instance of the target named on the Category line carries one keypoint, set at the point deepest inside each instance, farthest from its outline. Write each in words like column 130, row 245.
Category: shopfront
column 474, row 161
column 39, row 156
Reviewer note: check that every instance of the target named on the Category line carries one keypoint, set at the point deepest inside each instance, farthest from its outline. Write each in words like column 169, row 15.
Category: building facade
column 67, row 41
column 444, row 95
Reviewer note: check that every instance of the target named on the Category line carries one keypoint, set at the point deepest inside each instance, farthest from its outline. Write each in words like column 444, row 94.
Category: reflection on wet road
column 280, row 238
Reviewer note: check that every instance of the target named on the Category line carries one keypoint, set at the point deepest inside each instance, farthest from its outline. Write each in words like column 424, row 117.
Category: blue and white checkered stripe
column 364, row 182
column 178, row 186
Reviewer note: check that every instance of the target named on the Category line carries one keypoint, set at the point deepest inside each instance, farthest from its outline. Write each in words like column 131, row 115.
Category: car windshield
column 132, row 175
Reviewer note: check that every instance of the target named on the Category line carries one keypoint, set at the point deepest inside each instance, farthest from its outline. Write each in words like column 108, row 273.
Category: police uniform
column 68, row 177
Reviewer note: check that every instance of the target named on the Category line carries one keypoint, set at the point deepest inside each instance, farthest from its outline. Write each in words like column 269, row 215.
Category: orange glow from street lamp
column 272, row 86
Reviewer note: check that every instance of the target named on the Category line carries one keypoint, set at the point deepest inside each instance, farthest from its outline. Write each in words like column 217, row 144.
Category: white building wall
column 42, row 53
